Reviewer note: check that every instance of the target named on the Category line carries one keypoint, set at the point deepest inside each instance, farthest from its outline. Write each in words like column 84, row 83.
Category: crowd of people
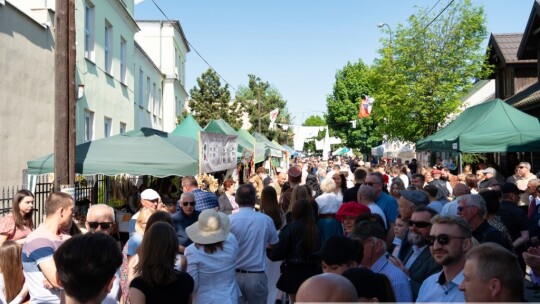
column 318, row 231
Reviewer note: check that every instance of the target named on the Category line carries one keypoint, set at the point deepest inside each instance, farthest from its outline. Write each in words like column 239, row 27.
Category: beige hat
column 212, row 227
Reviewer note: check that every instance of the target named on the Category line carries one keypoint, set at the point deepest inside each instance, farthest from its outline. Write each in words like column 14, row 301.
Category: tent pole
column 460, row 163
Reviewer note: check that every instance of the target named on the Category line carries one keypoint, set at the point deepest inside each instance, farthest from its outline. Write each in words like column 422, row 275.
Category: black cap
column 338, row 250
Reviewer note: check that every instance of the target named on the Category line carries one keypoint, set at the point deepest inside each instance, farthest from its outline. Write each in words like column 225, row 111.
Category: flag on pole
column 273, row 115
column 364, row 110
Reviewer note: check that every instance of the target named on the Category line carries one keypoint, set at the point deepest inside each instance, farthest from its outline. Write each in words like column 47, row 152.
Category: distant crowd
column 337, row 230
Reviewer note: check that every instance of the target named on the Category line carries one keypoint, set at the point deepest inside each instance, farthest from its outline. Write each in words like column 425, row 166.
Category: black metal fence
column 91, row 190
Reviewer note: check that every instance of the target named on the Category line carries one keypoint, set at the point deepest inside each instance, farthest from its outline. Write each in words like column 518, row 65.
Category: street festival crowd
column 340, row 230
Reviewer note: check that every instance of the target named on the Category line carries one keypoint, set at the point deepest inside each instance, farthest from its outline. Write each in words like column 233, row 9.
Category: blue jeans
column 254, row 287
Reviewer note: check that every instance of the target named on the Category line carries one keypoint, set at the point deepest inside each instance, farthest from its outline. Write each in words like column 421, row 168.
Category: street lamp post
column 381, row 25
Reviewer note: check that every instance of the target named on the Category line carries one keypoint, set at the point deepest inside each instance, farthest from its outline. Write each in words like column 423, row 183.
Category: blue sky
column 298, row 45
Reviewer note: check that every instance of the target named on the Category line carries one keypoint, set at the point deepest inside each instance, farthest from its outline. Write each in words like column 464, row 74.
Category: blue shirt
column 253, row 231
column 389, row 206
column 399, row 281
column 181, row 222
column 434, row 289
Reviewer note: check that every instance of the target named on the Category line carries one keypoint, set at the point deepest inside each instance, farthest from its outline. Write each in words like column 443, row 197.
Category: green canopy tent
column 270, row 148
column 220, row 126
column 139, row 152
column 258, row 147
column 188, row 127
column 490, row 127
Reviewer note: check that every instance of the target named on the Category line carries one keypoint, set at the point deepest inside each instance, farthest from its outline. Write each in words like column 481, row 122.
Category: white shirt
column 375, row 209
column 329, row 203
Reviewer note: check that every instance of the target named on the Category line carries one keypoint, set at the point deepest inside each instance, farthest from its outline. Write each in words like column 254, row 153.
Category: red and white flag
column 273, row 115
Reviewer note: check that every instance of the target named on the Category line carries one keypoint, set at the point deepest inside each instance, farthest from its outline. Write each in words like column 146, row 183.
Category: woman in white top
column 328, row 203
column 212, row 259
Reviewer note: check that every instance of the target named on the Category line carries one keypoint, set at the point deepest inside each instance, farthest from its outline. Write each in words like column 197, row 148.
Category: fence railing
column 93, row 190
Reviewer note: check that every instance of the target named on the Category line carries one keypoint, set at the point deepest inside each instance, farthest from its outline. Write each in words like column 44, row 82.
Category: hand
column 397, row 262
column 47, row 284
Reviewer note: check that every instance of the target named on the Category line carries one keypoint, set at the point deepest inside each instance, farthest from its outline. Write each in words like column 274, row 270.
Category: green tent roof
column 188, row 127
column 259, row 147
column 493, row 126
column 220, row 126
column 271, row 148
column 139, row 152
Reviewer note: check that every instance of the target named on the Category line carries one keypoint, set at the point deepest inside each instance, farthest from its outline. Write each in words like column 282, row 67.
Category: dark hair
column 343, row 183
column 470, row 181
column 157, row 254
column 431, row 190
column 423, row 208
column 86, row 263
column 210, row 248
column 246, row 195
column 26, row 220
column 370, row 285
column 159, row 216
column 360, row 174
column 418, row 175
column 492, row 200
column 303, row 211
column 270, row 206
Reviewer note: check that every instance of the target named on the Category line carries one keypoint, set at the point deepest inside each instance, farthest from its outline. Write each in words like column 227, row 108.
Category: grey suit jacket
column 224, row 204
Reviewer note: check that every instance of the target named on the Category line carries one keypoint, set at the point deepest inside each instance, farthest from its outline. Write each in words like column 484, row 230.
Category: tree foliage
column 426, row 69
column 314, row 121
column 343, row 104
column 261, row 94
column 209, row 100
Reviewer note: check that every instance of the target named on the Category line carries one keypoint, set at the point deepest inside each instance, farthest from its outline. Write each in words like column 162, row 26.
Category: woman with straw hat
column 212, row 259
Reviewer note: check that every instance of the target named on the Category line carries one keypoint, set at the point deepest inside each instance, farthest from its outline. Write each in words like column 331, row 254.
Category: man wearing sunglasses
column 449, row 240
column 100, row 218
column 472, row 208
column 185, row 217
column 415, row 259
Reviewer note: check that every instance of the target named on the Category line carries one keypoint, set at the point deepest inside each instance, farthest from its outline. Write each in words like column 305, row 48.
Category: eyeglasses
column 521, row 167
column 104, row 225
column 419, row 224
column 185, row 204
column 443, row 239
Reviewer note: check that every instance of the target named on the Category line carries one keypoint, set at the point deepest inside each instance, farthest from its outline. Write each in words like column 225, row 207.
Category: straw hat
column 212, row 227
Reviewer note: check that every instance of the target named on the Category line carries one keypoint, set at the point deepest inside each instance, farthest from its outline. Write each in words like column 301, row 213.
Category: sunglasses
column 104, row 225
column 185, row 204
column 461, row 208
column 443, row 239
column 419, row 224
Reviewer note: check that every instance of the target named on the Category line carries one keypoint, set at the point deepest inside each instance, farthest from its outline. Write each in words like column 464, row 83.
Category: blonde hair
column 144, row 214
column 328, row 185
column 11, row 269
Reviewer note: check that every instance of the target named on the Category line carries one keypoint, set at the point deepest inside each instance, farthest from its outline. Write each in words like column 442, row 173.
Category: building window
column 89, row 33
column 122, row 128
column 160, row 110
column 88, row 126
column 108, row 47
column 107, row 127
column 148, row 94
column 154, row 98
column 123, row 63
column 141, row 87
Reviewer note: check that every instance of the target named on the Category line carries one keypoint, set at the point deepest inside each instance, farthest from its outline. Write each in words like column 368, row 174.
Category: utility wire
column 449, row 3
column 426, row 14
column 197, row 52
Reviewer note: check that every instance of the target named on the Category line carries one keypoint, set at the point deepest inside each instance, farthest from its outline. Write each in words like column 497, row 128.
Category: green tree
column 425, row 70
column 258, row 99
column 314, row 121
column 343, row 104
column 209, row 100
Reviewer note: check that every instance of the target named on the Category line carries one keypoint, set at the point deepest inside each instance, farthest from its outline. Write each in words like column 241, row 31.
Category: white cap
column 149, row 194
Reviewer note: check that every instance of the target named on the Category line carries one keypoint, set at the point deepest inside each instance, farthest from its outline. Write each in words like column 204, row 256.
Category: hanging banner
column 217, row 152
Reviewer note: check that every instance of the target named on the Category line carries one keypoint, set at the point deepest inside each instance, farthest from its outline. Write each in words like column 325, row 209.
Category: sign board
column 217, row 152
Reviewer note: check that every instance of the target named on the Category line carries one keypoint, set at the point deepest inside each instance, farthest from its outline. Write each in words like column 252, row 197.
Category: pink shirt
column 7, row 227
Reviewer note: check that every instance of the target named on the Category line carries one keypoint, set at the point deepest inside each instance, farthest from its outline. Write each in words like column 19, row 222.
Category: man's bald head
column 326, row 287
column 461, row 189
column 100, row 213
